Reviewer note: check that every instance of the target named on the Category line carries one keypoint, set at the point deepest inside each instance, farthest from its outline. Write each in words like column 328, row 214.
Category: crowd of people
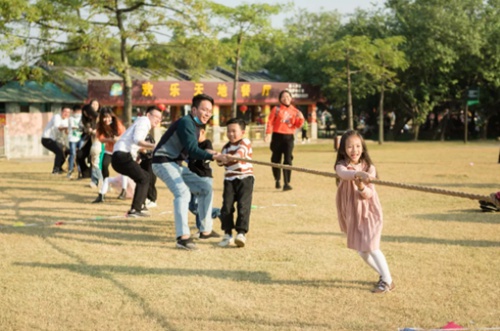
column 94, row 138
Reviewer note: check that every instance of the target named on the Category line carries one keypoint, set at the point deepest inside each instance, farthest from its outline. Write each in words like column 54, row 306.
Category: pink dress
column 359, row 213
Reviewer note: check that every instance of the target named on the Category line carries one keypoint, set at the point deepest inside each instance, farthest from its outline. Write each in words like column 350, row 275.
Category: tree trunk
column 127, row 80
column 484, row 129
column 381, row 116
column 416, row 130
column 236, row 77
column 350, row 120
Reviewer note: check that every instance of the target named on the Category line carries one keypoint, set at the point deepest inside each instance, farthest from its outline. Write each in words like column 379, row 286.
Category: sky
column 342, row 6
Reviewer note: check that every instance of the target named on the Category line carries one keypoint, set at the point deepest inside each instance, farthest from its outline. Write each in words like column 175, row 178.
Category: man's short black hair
column 238, row 121
column 77, row 107
column 197, row 99
column 151, row 108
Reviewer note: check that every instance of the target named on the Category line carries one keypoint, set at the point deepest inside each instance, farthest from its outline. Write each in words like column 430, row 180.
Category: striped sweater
column 238, row 169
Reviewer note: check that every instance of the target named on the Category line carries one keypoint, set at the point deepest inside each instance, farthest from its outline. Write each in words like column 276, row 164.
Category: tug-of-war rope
column 471, row 196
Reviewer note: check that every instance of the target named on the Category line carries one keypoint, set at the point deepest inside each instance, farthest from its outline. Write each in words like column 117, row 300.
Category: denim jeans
column 193, row 208
column 73, row 146
column 182, row 182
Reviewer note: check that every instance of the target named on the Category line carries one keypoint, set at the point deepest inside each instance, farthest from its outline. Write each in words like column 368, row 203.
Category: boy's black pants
column 237, row 191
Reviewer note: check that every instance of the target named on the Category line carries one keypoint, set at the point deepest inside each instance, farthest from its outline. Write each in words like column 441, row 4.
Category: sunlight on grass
column 97, row 270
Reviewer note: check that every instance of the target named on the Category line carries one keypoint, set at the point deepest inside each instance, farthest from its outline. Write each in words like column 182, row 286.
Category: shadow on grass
column 466, row 216
column 258, row 277
column 107, row 272
column 85, row 269
column 415, row 240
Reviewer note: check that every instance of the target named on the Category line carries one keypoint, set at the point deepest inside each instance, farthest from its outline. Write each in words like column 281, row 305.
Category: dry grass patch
column 101, row 271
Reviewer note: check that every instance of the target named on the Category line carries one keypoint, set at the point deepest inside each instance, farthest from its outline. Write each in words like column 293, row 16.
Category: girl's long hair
column 89, row 115
column 342, row 155
column 109, row 131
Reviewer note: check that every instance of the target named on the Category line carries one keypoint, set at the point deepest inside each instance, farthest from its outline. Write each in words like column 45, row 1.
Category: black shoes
column 135, row 213
column 99, row 199
column 186, row 244
column 123, row 195
column 287, row 187
column 278, row 185
column 212, row 234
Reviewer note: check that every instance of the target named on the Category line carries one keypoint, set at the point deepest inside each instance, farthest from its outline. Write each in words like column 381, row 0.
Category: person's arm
column 299, row 119
column 365, row 188
column 186, row 132
column 140, row 133
column 345, row 173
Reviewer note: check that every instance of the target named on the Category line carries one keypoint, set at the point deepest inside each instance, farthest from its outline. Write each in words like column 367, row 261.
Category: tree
column 347, row 57
column 388, row 58
column 439, row 35
column 247, row 21
column 92, row 28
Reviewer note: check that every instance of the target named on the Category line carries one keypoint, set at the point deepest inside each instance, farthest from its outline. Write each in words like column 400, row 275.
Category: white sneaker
column 240, row 240
column 226, row 240
column 150, row 204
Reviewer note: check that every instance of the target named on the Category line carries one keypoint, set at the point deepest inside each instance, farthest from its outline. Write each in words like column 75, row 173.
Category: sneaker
column 287, row 187
column 135, row 213
column 278, row 185
column 186, row 244
column 383, row 287
column 226, row 240
column 212, row 234
column 69, row 174
column 240, row 240
column 150, row 204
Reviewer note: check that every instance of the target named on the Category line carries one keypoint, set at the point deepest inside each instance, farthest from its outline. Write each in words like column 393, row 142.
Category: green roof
column 34, row 92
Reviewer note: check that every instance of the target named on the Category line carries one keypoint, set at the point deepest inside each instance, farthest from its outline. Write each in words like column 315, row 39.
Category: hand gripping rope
column 488, row 198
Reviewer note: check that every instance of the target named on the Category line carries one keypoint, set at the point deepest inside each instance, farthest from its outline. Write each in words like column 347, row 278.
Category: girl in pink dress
column 358, row 206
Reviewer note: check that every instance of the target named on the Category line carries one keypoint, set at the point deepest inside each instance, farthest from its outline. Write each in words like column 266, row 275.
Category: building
column 26, row 109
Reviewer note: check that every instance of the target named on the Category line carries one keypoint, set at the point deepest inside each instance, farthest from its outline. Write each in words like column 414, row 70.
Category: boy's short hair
column 197, row 99
column 238, row 121
column 77, row 107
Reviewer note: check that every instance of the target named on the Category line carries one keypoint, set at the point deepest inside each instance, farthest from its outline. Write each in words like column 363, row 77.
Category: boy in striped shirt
column 238, row 185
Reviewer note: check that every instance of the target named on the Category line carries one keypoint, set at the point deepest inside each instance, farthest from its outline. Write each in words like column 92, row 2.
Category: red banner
column 181, row 92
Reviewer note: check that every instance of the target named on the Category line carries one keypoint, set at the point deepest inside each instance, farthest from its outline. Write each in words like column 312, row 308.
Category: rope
column 376, row 181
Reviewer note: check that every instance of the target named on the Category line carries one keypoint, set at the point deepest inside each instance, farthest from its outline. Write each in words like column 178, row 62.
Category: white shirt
column 51, row 130
column 129, row 140
column 75, row 130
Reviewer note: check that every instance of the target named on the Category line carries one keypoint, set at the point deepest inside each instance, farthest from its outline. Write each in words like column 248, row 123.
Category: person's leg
column 72, row 155
column 105, row 182
column 369, row 260
column 227, row 210
column 287, row 151
column 95, row 160
column 170, row 174
column 276, row 156
column 152, row 193
column 202, row 188
column 244, row 192
column 55, row 148
column 125, row 165
column 381, row 263
column 82, row 156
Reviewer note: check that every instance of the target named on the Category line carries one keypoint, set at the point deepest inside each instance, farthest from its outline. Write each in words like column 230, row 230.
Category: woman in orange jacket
column 283, row 120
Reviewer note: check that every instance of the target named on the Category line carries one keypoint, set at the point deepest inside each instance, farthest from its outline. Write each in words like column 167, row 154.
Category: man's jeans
column 182, row 182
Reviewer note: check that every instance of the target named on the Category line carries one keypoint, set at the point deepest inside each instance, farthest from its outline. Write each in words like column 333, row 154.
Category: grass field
column 101, row 271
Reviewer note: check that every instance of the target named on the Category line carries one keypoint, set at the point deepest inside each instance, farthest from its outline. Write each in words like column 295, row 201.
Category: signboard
column 182, row 92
